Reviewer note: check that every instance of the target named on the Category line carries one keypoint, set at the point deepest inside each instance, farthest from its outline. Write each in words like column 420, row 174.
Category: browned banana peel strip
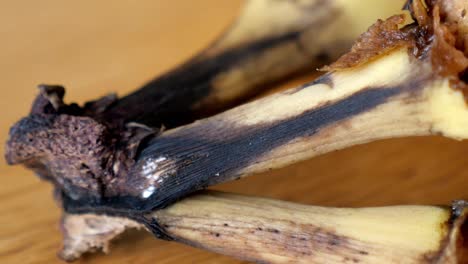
column 397, row 81
column 271, row 231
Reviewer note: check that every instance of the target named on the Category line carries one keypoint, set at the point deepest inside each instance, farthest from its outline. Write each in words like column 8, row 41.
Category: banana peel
column 398, row 80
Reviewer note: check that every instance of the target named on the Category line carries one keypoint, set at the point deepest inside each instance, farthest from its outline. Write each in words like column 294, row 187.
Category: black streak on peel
column 218, row 159
column 175, row 93
column 224, row 157
column 170, row 99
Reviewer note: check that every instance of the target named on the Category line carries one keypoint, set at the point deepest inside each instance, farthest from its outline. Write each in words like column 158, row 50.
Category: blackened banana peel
column 396, row 81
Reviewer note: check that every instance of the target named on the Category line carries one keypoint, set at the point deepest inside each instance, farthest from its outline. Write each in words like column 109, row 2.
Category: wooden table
column 97, row 47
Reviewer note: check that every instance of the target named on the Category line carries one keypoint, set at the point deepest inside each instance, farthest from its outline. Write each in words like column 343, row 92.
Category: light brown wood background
column 96, row 47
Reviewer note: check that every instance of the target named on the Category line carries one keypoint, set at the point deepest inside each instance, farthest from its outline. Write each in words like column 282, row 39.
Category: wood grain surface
column 97, row 47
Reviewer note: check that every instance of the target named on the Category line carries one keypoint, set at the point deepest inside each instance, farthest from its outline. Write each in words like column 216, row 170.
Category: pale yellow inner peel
column 449, row 110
